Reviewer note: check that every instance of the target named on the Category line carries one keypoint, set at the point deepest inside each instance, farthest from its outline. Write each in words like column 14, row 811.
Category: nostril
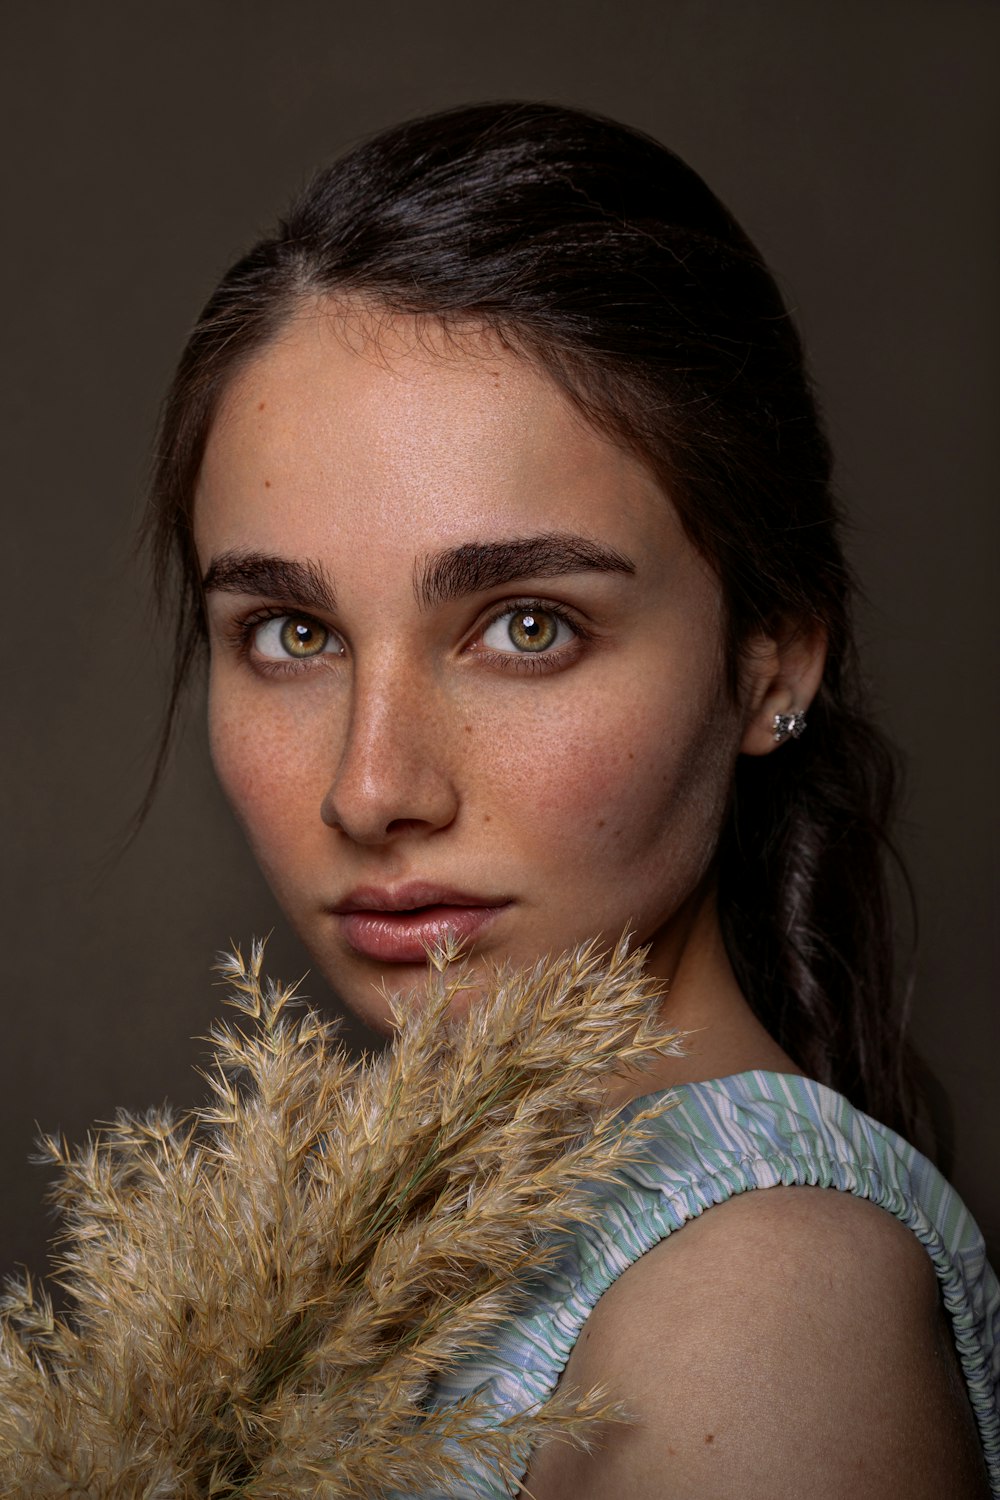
column 404, row 825
column 376, row 798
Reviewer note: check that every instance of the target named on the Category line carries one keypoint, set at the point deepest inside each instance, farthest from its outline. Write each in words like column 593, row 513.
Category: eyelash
column 526, row 661
column 241, row 634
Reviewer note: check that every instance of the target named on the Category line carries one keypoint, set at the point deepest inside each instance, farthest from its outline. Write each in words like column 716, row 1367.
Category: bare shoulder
column 788, row 1342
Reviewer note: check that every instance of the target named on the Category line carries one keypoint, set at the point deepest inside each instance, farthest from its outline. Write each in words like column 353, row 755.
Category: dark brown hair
column 607, row 260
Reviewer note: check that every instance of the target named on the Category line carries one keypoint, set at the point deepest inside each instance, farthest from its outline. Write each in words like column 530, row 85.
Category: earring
column 788, row 727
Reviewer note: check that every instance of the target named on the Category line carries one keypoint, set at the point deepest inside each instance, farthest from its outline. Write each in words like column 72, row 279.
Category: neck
column 704, row 1001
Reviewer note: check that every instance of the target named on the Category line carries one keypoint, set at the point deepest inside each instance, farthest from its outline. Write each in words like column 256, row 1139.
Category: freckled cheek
column 579, row 777
column 268, row 768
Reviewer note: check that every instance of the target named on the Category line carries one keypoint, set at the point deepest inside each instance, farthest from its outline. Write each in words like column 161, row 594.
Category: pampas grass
column 262, row 1290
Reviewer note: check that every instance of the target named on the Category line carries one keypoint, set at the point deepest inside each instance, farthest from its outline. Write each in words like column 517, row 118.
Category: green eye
column 302, row 637
column 530, row 630
column 294, row 636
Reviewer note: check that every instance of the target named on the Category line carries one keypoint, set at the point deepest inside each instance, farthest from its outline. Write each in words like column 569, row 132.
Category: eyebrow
column 302, row 583
column 476, row 566
column 452, row 574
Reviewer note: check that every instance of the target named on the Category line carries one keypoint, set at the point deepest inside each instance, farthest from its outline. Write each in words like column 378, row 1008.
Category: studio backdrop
column 148, row 144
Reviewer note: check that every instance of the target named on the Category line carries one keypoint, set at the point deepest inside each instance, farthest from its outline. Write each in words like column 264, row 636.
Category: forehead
column 414, row 435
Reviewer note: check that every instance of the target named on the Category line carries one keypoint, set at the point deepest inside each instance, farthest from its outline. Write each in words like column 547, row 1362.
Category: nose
column 394, row 772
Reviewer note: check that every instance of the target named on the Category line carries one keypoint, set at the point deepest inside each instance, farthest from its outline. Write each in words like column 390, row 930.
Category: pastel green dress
column 732, row 1135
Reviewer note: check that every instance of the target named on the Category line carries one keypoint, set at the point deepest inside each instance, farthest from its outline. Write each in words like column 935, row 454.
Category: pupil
column 531, row 632
column 300, row 638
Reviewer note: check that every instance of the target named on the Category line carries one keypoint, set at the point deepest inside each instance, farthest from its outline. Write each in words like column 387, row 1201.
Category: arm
column 789, row 1342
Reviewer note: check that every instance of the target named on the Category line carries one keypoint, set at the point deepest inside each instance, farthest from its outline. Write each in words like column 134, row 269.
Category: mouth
column 397, row 927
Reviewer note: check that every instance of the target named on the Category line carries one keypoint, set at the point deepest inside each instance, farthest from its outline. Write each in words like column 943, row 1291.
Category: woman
column 498, row 493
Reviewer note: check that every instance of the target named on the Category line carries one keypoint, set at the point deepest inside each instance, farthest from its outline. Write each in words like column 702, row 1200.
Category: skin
column 588, row 794
column 790, row 1343
column 586, row 791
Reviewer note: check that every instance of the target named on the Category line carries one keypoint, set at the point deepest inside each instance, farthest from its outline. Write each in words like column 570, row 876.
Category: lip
column 398, row 925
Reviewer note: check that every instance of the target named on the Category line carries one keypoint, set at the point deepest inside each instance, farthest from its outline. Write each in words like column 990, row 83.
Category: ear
column 780, row 674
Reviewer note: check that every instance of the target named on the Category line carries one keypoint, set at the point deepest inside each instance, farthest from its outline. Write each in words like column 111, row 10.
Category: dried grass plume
column 261, row 1290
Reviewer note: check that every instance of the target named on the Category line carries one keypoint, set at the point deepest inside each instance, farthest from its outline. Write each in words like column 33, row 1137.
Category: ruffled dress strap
column 727, row 1136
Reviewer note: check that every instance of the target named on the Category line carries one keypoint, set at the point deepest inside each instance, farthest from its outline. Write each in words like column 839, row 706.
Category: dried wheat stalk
column 262, row 1289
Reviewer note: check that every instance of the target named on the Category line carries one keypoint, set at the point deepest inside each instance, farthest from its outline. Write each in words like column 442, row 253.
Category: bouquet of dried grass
column 262, row 1290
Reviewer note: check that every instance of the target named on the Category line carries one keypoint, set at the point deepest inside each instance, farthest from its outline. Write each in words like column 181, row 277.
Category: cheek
column 267, row 765
column 623, row 777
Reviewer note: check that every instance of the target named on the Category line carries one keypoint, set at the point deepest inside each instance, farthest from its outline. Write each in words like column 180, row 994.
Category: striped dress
column 752, row 1130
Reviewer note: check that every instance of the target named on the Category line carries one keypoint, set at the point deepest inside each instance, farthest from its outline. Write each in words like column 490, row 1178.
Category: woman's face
column 466, row 668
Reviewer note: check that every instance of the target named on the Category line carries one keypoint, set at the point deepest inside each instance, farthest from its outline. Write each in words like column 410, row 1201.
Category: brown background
column 149, row 143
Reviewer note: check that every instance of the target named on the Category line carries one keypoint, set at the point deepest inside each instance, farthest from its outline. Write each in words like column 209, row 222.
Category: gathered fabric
column 733, row 1135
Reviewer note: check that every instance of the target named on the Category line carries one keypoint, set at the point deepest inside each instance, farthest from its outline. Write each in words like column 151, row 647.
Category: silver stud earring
column 788, row 727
